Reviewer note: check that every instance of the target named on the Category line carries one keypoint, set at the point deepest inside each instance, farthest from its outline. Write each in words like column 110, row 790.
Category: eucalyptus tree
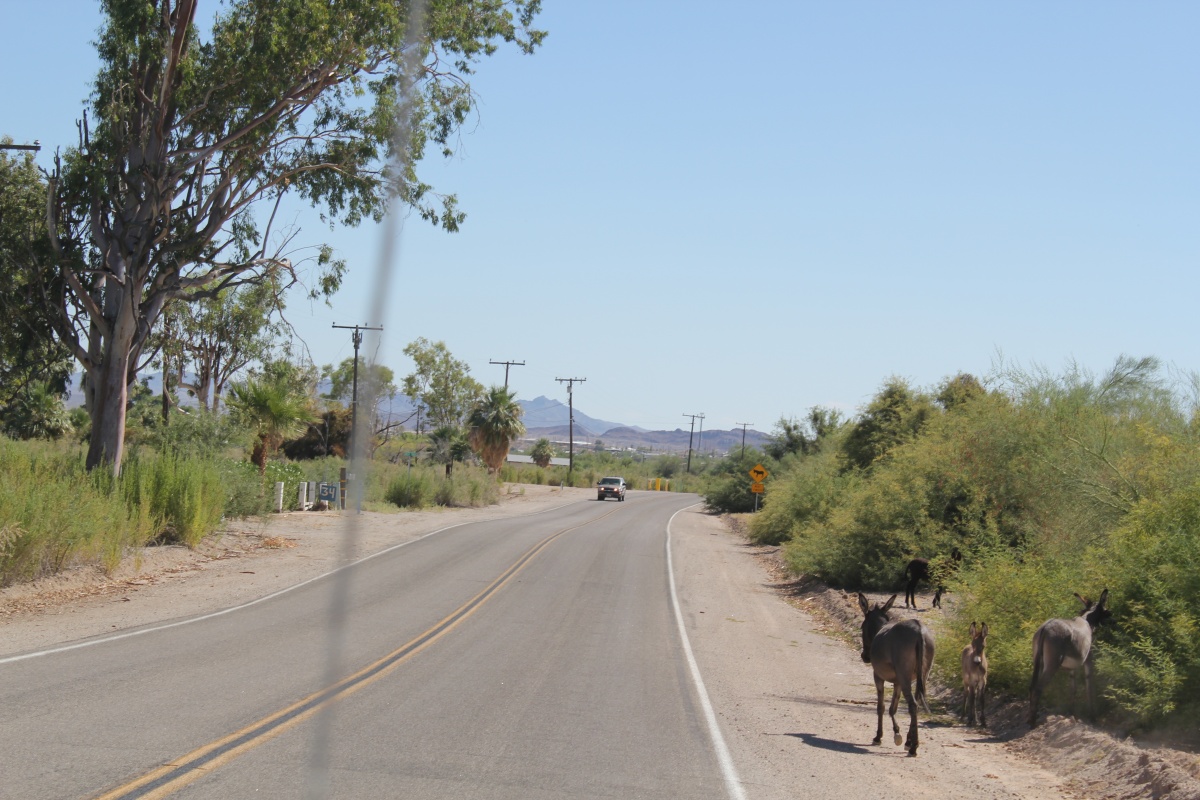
column 196, row 134
column 494, row 424
column 219, row 336
column 440, row 383
column 376, row 386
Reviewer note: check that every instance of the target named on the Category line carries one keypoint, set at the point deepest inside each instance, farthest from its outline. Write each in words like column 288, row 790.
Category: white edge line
column 130, row 634
column 733, row 784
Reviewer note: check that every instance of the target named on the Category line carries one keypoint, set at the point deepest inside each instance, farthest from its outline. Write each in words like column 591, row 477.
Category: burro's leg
column 896, row 702
column 911, row 742
column 878, row 710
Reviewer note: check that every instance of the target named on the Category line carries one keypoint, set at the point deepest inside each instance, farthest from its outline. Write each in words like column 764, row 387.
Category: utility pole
column 354, row 434
column 507, row 364
column 691, row 433
column 570, row 382
column 700, row 436
column 743, row 426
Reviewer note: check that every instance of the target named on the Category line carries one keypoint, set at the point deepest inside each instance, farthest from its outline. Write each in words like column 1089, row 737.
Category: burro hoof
column 899, row 739
column 912, row 754
column 877, row 740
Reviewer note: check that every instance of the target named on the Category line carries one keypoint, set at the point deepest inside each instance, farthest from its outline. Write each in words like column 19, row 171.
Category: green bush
column 1152, row 568
column 410, row 491
column 55, row 515
column 186, row 497
column 800, row 493
column 245, row 491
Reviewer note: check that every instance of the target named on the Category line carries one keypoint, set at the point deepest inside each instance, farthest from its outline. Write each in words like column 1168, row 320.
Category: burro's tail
column 921, row 674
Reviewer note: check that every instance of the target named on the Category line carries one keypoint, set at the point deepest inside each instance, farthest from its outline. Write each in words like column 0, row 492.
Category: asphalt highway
column 532, row 657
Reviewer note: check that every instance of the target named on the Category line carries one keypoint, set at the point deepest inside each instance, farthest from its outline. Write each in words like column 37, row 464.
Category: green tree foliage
column 795, row 437
column 958, row 390
column 440, row 383
column 197, row 132
column 376, row 387
column 211, row 340
column 542, row 452
column 894, row 416
column 494, row 424
column 327, row 435
column 29, row 352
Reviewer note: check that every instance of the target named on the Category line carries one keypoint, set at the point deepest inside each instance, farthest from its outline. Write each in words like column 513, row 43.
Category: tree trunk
column 258, row 456
column 111, row 396
column 117, row 350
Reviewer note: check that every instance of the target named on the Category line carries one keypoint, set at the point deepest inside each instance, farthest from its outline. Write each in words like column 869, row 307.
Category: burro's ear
column 864, row 603
column 1082, row 599
column 983, row 631
column 971, row 632
column 888, row 605
column 1103, row 598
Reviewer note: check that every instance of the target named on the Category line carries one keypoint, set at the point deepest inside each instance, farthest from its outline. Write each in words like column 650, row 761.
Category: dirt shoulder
column 1090, row 762
column 248, row 559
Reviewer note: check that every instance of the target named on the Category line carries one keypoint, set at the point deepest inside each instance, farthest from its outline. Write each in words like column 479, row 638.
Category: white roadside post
column 278, row 496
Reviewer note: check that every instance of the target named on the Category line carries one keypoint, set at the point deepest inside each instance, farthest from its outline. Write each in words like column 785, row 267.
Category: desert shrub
column 55, row 515
column 195, row 434
column 726, row 487
column 444, row 491
column 800, row 492
column 1152, row 566
column 411, row 491
column 186, row 497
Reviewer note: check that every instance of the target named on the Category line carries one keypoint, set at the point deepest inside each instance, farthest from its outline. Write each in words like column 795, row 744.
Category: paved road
column 526, row 657
column 535, row 657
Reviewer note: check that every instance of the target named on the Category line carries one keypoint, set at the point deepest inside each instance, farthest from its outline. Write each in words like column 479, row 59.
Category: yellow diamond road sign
column 759, row 473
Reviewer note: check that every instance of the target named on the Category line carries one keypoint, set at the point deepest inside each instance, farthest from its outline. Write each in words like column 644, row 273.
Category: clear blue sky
column 746, row 210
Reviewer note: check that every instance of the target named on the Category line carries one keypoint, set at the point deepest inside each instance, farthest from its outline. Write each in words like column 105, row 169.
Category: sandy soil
column 252, row 559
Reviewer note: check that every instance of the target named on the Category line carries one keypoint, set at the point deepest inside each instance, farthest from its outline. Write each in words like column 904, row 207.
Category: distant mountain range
column 542, row 412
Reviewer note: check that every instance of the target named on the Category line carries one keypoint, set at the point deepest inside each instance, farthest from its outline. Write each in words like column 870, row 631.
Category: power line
column 570, row 382
column 354, row 433
column 690, row 434
column 743, row 426
column 507, row 364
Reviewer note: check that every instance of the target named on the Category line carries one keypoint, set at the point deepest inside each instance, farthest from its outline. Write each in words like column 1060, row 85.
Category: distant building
column 514, row 458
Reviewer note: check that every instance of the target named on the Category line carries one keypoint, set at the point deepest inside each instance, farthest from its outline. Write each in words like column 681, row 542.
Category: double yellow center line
column 180, row 772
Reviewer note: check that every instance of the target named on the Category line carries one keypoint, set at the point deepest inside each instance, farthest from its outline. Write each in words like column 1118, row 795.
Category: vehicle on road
column 610, row 487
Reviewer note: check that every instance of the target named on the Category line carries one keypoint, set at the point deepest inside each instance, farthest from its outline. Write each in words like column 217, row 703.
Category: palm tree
column 274, row 410
column 38, row 413
column 495, row 423
column 542, row 452
column 449, row 444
